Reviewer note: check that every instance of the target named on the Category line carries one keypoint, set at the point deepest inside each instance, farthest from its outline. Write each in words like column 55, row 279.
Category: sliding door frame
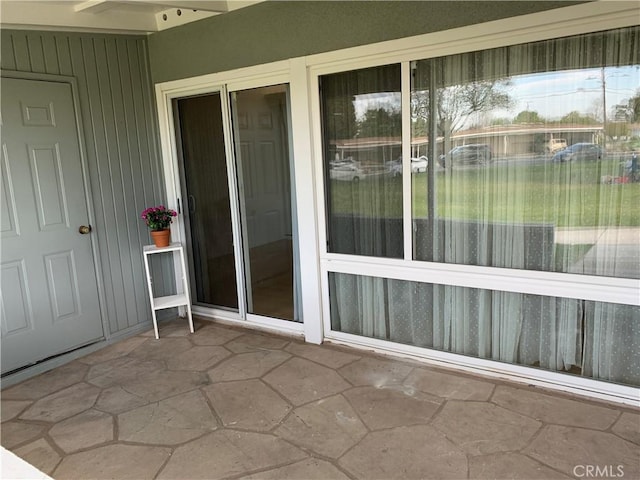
column 224, row 83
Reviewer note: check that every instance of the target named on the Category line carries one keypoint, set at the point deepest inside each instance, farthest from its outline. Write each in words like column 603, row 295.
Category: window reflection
column 362, row 125
column 534, row 156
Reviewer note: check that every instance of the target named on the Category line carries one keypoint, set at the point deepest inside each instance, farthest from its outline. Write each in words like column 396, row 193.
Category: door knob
column 84, row 229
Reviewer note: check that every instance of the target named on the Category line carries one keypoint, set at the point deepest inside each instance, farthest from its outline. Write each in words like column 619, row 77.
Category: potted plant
column 158, row 220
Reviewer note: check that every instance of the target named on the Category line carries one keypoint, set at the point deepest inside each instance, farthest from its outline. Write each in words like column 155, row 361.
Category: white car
column 347, row 172
column 419, row 165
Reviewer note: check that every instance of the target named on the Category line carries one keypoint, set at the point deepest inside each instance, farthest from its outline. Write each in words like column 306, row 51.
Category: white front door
column 48, row 291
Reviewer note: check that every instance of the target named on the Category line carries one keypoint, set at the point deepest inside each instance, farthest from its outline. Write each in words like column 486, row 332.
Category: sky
column 554, row 94
column 551, row 94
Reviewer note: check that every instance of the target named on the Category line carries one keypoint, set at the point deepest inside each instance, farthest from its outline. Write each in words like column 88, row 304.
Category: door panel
column 207, row 215
column 17, row 315
column 264, row 182
column 8, row 225
column 46, row 181
column 63, row 284
column 49, row 294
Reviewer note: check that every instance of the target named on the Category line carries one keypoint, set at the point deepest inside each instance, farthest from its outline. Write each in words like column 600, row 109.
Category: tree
column 576, row 117
column 501, row 121
column 528, row 116
column 455, row 104
column 634, row 107
column 380, row 122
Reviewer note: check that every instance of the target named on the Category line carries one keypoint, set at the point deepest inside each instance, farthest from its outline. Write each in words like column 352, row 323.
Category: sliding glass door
column 237, row 200
column 206, row 200
column 261, row 132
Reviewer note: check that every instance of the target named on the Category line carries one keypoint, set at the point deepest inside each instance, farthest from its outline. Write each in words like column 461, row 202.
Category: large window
column 521, row 157
column 531, row 166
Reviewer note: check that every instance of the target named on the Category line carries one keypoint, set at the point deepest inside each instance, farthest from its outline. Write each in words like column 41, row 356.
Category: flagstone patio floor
column 232, row 403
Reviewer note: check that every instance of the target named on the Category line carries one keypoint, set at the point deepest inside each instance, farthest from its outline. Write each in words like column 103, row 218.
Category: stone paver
column 310, row 469
column 117, row 350
column 63, row 404
column 247, row 404
column 169, row 422
column 47, row 383
column 40, row 454
column 159, row 385
column 419, row 452
column 230, row 403
column 211, row 335
column 15, row 433
column 375, row 372
column 392, row 406
column 550, row 409
column 10, row 409
column 251, row 342
column 449, row 385
column 565, row 448
column 328, row 357
column 302, row 381
column 85, row 430
column 510, row 465
column 329, row 427
column 248, row 365
column 162, row 349
column 116, row 400
column 121, row 370
column 198, row 358
column 628, row 427
column 481, row 428
column 228, row 452
column 113, row 462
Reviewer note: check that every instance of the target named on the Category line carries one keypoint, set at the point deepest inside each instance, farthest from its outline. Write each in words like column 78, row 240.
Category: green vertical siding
column 120, row 138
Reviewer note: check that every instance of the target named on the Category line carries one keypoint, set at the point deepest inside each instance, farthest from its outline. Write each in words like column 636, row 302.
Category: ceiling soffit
column 112, row 16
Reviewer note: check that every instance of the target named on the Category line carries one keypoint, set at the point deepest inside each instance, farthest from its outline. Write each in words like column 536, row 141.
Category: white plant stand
column 182, row 299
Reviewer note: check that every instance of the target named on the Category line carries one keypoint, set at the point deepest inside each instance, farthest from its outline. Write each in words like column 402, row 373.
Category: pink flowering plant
column 158, row 218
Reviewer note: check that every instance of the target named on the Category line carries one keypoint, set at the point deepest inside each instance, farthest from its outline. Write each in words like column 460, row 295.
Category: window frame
column 569, row 21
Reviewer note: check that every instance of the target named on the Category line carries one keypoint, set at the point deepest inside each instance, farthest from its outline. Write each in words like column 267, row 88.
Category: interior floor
column 273, row 297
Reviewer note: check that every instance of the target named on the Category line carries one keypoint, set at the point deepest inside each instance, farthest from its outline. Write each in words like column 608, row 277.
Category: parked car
column 579, row 151
column 347, row 172
column 420, row 164
column 350, row 171
column 478, row 153
column 555, row 144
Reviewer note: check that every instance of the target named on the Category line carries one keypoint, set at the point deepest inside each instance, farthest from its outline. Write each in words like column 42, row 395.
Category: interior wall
column 278, row 30
column 121, row 150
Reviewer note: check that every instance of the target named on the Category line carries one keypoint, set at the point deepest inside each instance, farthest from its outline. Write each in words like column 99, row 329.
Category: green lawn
column 565, row 195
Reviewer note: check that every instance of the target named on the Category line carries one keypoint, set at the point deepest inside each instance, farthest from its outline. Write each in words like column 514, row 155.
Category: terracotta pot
column 161, row 238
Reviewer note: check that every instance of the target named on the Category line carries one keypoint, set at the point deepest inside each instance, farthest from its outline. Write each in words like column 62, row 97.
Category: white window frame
column 303, row 74
column 559, row 23
column 223, row 83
